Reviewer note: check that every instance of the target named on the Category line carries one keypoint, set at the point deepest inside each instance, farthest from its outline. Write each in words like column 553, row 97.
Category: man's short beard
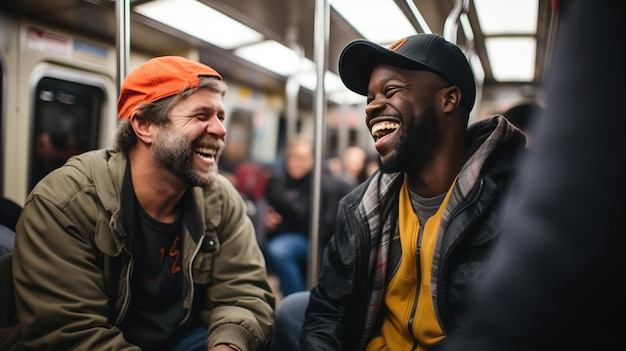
column 176, row 154
column 415, row 145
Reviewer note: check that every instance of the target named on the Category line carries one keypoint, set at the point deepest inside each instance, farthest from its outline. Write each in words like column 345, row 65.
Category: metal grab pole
column 322, row 25
column 452, row 21
column 417, row 15
column 122, row 40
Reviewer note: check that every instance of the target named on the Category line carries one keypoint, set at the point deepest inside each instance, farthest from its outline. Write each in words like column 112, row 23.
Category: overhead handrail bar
column 452, row 21
column 417, row 15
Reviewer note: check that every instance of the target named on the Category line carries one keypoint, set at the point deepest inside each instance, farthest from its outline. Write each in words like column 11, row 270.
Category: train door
column 66, row 121
column 62, row 102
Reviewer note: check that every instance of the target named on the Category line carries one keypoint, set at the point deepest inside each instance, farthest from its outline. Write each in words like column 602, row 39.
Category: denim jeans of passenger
column 286, row 255
column 288, row 322
column 194, row 340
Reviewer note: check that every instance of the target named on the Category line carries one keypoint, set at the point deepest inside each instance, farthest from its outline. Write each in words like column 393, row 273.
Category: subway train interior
column 62, row 62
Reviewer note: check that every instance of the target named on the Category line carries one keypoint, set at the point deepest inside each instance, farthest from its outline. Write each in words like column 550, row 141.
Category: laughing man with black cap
column 411, row 241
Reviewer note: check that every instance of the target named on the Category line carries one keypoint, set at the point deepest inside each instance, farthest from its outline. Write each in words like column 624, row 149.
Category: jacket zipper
column 418, row 265
column 191, row 284
column 127, row 294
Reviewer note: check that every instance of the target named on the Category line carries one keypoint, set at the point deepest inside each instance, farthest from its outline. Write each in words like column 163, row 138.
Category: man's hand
column 272, row 218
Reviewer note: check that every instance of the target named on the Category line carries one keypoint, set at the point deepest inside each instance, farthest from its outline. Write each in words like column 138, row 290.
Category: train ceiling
column 289, row 22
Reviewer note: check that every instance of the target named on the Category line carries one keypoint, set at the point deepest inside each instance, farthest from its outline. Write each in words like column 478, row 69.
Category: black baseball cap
column 420, row 51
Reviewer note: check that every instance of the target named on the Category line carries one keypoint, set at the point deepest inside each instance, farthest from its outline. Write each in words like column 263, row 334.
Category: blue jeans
column 194, row 340
column 286, row 255
column 288, row 322
column 7, row 239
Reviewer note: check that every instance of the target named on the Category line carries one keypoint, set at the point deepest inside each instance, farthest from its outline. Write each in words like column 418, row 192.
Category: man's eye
column 390, row 90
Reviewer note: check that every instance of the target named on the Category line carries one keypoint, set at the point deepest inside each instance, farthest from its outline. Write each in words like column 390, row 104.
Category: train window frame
column 96, row 87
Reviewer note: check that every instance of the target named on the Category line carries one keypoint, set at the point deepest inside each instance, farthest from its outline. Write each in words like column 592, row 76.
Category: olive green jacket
column 72, row 268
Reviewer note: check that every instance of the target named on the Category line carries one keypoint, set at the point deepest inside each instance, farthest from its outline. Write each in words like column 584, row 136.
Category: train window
column 66, row 122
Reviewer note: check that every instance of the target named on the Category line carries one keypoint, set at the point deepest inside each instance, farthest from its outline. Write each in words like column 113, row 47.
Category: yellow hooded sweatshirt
column 409, row 320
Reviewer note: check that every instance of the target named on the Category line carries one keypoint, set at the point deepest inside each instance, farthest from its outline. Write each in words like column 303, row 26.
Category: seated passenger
column 9, row 214
column 289, row 195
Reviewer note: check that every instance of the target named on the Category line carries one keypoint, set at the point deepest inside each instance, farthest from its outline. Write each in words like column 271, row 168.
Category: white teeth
column 205, row 151
column 384, row 125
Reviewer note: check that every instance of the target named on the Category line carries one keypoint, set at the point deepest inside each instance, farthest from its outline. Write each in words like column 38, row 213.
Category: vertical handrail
column 122, row 40
column 321, row 38
column 452, row 21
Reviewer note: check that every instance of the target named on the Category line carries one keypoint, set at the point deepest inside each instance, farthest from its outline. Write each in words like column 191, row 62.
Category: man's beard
column 176, row 154
column 415, row 145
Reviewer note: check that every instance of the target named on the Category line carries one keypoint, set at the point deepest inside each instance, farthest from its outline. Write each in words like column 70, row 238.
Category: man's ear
column 142, row 129
column 452, row 98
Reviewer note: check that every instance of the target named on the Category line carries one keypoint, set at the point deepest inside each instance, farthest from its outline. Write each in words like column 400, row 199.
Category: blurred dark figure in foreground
column 524, row 115
column 556, row 279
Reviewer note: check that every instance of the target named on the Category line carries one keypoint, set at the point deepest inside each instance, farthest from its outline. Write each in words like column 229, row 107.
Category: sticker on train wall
column 90, row 51
column 42, row 40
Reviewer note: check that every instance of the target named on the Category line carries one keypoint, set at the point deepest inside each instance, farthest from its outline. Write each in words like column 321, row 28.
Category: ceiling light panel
column 512, row 58
column 193, row 18
column 275, row 57
column 507, row 16
column 371, row 18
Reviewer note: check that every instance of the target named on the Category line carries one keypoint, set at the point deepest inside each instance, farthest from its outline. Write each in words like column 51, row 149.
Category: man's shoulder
column 92, row 169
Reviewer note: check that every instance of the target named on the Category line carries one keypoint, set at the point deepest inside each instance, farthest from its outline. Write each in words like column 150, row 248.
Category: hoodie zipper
column 418, row 266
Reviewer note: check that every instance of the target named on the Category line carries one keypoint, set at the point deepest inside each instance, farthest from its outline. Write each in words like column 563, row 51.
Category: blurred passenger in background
column 250, row 179
column 524, row 116
column 9, row 214
column 555, row 282
column 354, row 158
column 371, row 164
column 288, row 193
column 47, row 157
column 333, row 164
column 7, row 239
